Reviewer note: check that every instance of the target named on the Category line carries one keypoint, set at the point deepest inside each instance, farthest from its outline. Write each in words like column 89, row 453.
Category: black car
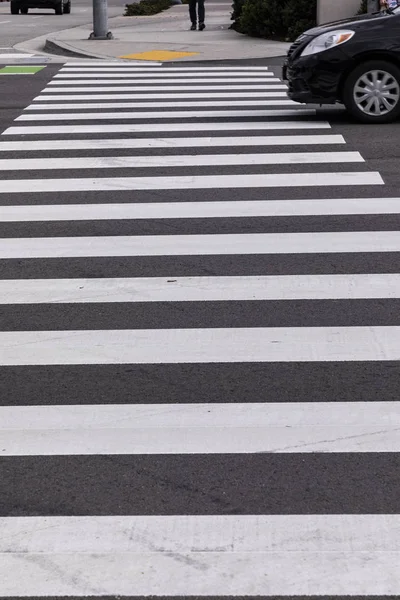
column 22, row 6
column 354, row 61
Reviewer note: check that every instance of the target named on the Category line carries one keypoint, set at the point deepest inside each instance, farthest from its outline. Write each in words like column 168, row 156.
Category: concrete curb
column 53, row 46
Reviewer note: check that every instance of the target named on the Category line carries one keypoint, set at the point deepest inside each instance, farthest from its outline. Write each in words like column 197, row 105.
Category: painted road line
column 123, row 73
column 132, row 78
column 72, row 67
column 199, row 210
column 212, row 345
column 200, row 415
column 158, row 127
column 178, row 114
column 199, row 289
column 95, row 87
column 201, row 245
column 198, row 429
column 209, row 555
column 137, row 96
column 188, row 182
column 181, row 160
column 163, row 104
column 202, row 142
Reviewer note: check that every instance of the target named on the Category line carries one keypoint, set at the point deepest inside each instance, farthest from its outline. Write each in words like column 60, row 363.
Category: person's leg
column 192, row 13
column 201, row 13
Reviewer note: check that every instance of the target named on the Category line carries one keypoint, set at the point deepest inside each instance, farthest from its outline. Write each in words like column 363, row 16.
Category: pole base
column 108, row 36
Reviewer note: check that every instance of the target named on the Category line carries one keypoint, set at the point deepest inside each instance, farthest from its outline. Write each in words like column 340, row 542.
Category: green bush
column 237, row 6
column 279, row 19
column 262, row 18
column 363, row 7
column 298, row 16
column 146, row 7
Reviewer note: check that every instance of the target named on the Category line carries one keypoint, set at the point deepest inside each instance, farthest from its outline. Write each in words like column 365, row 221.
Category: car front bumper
column 316, row 79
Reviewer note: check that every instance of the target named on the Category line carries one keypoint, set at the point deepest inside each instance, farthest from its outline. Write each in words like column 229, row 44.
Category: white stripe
column 132, row 79
column 277, row 555
column 201, row 142
column 205, row 415
column 163, row 104
column 178, row 346
column 197, row 245
column 142, row 127
column 199, row 289
column 200, row 429
column 188, row 182
column 180, row 160
column 130, row 73
column 137, row 96
column 178, row 114
column 96, row 87
column 199, row 210
column 127, row 67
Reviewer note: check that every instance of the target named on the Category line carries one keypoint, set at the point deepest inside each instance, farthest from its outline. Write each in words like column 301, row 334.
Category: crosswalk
column 200, row 343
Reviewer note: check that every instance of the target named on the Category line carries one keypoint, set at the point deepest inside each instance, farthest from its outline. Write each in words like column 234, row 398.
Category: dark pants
column 200, row 9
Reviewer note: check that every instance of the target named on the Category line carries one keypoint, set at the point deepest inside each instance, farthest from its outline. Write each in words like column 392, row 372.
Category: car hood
column 356, row 22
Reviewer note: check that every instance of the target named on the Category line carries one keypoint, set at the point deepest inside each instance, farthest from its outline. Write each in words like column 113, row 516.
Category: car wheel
column 371, row 93
column 59, row 8
column 24, row 11
column 14, row 8
column 67, row 8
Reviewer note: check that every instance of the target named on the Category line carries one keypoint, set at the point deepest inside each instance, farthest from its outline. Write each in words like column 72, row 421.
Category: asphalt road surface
column 200, row 342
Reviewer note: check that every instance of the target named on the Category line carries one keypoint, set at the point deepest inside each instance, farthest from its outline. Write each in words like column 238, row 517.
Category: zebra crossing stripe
column 181, row 160
column 199, row 429
column 201, row 555
column 139, row 96
column 202, row 415
column 196, row 210
column 180, row 142
column 179, row 114
column 92, row 67
column 197, row 245
column 364, row 178
column 97, row 86
column 89, row 79
column 200, row 289
column 130, row 73
column 213, row 345
column 158, row 127
column 162, row 104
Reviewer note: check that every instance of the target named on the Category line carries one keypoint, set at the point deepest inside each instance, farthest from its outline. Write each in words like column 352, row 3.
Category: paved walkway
column 167, row 37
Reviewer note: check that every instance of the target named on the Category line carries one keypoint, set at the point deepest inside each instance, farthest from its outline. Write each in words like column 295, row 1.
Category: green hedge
column 146, row 7
column 279, row 19
column 363, row 7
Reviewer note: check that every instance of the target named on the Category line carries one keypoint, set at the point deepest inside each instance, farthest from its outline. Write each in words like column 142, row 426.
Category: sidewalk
column 166, row 37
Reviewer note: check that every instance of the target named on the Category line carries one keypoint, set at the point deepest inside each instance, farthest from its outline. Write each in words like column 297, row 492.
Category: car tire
column 357, row 102
column 59, row 8
column 24, row 11
column 67, row 8
column 14, row 8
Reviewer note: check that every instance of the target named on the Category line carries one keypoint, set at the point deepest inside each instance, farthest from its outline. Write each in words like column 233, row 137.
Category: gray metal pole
column 100, row 21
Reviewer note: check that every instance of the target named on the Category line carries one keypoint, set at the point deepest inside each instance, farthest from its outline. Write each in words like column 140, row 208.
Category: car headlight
column 327, row 41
